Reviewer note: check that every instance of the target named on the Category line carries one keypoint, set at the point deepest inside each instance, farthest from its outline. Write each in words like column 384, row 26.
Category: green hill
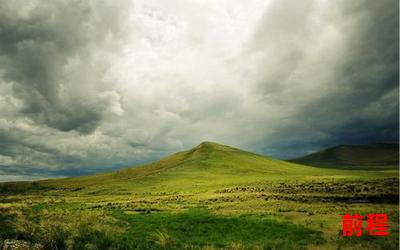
column 354, row 156
column 207, row 165
column 212, row 196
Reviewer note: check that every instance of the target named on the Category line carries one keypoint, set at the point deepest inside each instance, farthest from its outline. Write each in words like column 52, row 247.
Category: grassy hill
column 212, row 196
column 370, row 156
column 209, row 165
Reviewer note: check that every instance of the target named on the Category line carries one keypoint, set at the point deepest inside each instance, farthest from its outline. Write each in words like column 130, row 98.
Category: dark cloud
column 38, row 45
column 358, row 102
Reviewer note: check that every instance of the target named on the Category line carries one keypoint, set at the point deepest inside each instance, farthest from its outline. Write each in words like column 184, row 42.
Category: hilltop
column 354, row 156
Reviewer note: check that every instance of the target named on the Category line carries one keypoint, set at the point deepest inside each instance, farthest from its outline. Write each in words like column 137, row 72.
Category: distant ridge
column 373, row 156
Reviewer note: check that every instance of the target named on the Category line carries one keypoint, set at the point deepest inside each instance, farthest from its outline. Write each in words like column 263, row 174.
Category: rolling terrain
column 212, row 196
column 372, row 156
column 207, row 165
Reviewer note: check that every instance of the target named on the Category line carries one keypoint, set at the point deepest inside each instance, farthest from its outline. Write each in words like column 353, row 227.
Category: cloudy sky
column 93, row 85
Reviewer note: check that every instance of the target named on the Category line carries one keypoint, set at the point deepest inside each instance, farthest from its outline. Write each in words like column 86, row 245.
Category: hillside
column 208, row 164
column 354, row 156
column 212, row 196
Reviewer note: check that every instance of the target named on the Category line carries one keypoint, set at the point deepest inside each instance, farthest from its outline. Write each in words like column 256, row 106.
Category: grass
column 200, row 228
column 210, row 197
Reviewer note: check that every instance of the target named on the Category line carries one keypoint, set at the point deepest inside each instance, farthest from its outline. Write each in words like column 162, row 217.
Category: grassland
column 210, row 197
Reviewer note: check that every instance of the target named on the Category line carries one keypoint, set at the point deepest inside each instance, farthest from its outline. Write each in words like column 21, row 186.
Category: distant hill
column 370, row 156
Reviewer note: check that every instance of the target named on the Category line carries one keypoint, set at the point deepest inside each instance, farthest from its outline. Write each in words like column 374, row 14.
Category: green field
column 210, row 197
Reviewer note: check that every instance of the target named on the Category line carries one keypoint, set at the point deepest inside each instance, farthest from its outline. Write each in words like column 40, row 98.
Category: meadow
column 210, row 197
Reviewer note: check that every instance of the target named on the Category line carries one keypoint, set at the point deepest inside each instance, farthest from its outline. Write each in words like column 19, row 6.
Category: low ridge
column 354, row 156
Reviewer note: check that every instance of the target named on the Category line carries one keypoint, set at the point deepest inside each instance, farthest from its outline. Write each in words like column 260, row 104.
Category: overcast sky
column 94, row 85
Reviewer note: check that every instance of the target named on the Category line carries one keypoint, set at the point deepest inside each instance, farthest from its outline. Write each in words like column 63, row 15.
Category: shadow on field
column 197, row 228
column 6, row 226
column 193, row 229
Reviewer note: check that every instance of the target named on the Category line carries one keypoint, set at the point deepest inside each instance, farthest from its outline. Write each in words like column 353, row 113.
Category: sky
column 88, row 86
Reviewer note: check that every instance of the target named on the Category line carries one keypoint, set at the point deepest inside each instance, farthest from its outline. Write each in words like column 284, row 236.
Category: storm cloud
column 90, row 86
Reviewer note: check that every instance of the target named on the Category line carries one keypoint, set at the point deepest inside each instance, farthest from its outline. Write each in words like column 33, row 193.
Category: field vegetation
column 210, row 197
